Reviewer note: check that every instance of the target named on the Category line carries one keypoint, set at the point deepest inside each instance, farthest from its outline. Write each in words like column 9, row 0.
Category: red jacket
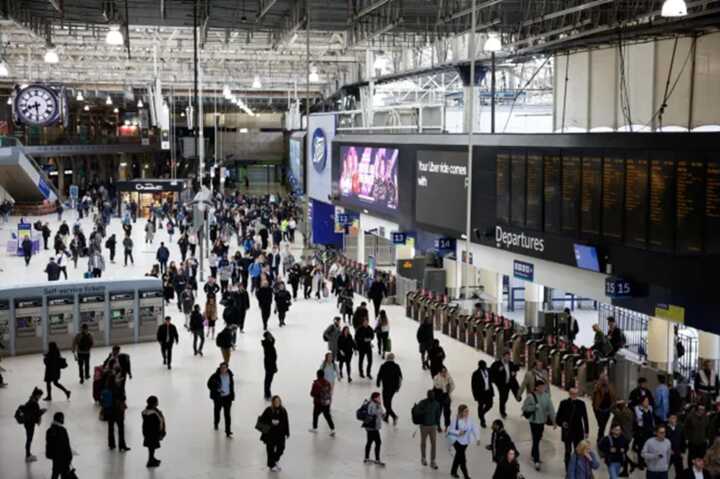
column 321, row 392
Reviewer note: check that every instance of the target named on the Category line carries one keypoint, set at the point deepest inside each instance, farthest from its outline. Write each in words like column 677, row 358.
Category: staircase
column 24, row 180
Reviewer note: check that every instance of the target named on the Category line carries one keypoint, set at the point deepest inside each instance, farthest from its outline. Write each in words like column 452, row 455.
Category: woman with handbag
column 54, row 364
column 153, row 429
column 274, row 427
column 582, row 462
column 461, row 433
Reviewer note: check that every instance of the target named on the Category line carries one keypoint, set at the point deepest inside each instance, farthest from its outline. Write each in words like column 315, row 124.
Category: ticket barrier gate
column 92, row 313
column 453, row 321
column 423, row 308
column 556, row 355
column 503, row 340
column 411, row 304
column 441, row 316
column 463, row 328
column 122, row 317
column 484, row 330
column 61, row 321
column 28, row 325
column 152, row 313
column 517, row 352
column 472, row 332
column 542, row 353
column 569, row 361
column 4, row 328
column 491, row 335
column 530, row 350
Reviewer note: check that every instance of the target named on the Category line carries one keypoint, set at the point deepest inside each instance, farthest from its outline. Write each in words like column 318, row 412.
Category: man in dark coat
column 27, row 249
column 425, row 336
column 167, row 335
column 377, row 293
column 389, row 377
column 57, row 447
column 53, row 270
column 482, row 391
column 503, row 373
column 163, row 255
column 222, row 391
column 241, row 302
column 573, row 419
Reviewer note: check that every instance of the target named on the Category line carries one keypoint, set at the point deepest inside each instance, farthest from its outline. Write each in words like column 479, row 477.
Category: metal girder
column 264, row 6
column 551, row 33
column 57, row 5
column 367, row 10
column 566, row 11
column 467, row 11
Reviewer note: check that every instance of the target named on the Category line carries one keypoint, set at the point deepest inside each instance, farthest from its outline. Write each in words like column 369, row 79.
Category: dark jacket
column 32, row 412
column 53, row 271
column 53, row 365
column 264, row 296
column 197, row 322
column 26, row 246
column 282, row 300
column 480, row 388
column 346, row 345
column 500, row 444
column 498, row 376
column 163, row 334
column 163, row 254
column 363, row 338
column 425, row 334
column 572, row 418
column 269, row 355
column 57, row 445
column 389, row 376
column 123, row 360
column 241, row 300
column 224, row 339
column 377, row 290
column 214, row 384
column 676, row 436
column 153, row 427
column 358, row 316
column 277, row 419
column 507, row 470
column 620, row 446
column 431, row 412
column 638, row 394
column 690, row 474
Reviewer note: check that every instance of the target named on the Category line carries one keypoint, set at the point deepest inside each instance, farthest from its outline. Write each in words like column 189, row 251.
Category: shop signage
column 508, row 240
column 89, row 289
column 399, row 237
column 150, row 186
column 318, row 150
column 523, row 270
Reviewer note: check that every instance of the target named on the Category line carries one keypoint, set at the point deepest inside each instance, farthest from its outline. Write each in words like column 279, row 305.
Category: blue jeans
column 657, row 475
column 614, row 470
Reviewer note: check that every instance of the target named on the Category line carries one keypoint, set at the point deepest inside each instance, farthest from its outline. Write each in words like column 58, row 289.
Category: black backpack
column 20, row 414
column 417, row 413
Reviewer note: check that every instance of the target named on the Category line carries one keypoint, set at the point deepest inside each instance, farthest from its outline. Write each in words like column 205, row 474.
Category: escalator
column 24, row 180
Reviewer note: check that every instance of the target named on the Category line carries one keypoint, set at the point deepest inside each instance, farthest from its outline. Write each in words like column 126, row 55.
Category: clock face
column 37, row 105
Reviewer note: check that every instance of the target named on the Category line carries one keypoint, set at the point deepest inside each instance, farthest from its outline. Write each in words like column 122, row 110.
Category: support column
column 361, row 241
column 61, row 177
column 708, row 349
column 661, row 350
column 534, row 297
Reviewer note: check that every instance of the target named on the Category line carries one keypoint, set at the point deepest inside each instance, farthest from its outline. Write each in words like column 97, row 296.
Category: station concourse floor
column 193, row 450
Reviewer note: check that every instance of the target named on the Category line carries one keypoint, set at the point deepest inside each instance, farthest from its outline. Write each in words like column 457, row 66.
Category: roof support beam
column 57, row 5
column 368, row 10
column 567, row 11
column 467, row 11
column 264, row 7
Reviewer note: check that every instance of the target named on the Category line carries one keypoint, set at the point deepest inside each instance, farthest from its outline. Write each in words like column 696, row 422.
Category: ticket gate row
column 115, row 311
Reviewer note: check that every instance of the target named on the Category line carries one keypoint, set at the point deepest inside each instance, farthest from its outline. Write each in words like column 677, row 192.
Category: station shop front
column 149, row 192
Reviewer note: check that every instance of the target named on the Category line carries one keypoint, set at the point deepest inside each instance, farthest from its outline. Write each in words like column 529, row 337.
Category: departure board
column 613, row 188
column 662, row 201
column 552, row 193
column 690, row 199
column 517, row 190
column 712, row 208
column 571, row 174
column 502, row 179
column 534, row 196
column 636, row 202
column 591, row 193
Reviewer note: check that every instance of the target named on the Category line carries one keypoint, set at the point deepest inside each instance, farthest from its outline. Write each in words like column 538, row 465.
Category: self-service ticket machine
column 61, row 320
column 29, row 315
column 122, row 317
column 92, row 312
column 152, row 312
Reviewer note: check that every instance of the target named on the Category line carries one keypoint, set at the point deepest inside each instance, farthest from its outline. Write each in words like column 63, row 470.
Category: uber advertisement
column 441, row 189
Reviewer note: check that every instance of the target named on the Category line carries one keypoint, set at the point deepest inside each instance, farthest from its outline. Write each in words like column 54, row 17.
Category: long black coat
column 214, row 384
column 277, row 419
column 573, row 419
column 481, row 389
column 53, row 365
column 269, row 355
column 153, row 427
column 57, row 445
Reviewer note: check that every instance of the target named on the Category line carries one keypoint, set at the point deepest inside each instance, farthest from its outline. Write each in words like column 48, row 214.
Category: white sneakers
column 332, row 433
column 314, row 431
column 276, row 468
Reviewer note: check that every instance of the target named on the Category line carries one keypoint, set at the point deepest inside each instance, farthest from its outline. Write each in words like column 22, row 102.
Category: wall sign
column 399, row 237
column 523, row 270
column 445, row 244
column 619, row 288
column 318, row 150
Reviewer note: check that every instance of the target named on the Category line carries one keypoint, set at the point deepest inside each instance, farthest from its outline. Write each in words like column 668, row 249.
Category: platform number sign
column 618, row 288
column 343, row 219
column 523, row 270
column 445, row 244
column 399, row 238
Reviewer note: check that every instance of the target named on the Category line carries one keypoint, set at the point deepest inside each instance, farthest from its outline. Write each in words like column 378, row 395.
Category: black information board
column 690, row 199
column 571, row 174
column 552, row 193
column 502, row 185
column 636, row 202
column 534, row 207
column 517, row 190
column 590, row 205
column 441, row 175
column 662, row 202
column 712, row 208
column 612, row 197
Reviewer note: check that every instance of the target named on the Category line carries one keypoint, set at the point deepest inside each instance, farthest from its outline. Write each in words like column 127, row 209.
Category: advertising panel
column 296, row 173
column 441, row 175
column 369, row 177
column 318, row 158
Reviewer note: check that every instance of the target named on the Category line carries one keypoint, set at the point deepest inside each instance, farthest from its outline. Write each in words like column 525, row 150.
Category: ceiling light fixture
column 115, row 110
column 314, row 77
column 140, row 103
column 80, row 96
column 493, row 43
column 51, row 55
column 674, row 8
column 226, row 92
column 4, row 70
column 114, row 36
column 257, row 84
column 108, row 100
column 86, row 108
column 9, row 102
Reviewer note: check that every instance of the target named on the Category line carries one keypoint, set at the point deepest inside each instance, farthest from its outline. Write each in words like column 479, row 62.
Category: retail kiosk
column 148, row 192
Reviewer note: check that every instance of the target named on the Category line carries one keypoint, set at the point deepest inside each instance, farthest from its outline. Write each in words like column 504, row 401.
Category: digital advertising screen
column 296, row 173
column 440, row 189
column 369, row 177
column 586, row 257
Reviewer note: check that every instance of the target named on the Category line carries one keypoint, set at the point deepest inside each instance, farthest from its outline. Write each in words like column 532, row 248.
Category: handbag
column 71, row 474
column 261, row 426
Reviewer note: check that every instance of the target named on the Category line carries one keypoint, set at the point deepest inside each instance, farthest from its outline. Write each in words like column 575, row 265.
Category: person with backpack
column 371, row 414
column 461, row 433
column 274, row 427
column 222, row 392
column 389, row 377
column 224, row 341
column 538, row 410
column 153, row 429
column 269, row 362
column 321, row 393
column 426, row 414
column 331, row 336
column 54, row 364
column 57, row 447
column 601, row 343
column 81, row 346
column 111, row 244
column 29, row 415
column 113, row 406
column 128, row 249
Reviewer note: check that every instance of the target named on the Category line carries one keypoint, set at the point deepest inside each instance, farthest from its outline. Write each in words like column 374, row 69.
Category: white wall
column 524, row 119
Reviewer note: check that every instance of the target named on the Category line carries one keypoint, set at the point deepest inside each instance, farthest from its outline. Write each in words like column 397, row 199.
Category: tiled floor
column 192, row 450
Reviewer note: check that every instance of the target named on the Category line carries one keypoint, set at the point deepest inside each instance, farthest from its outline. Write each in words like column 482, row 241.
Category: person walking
column 186, row 298
column 222, row 392
column 162, row 256
column 538, row 410
column 331, row 336
column 426, row 414
column 503, row 373
column 382, row 332
column 372, row 423
column 377, row 293
column 656, row 452
column 645, row 427
column 269, row 362
column 461, row 433
column 321, row 392
column 500, row 442
column 128, row 250
column 210, row 315
column 264, row 295
column 345, row 346
column 224, row 341
column 482, row 391
column 27, row 249
column 197, row 328
column 613, row 448
column 31, row 416
column 537, row 373
column 624, row 417
column 167, row 335
column 149, row 232
column 363, row 339
column 425, row 337
column 443, row 385
column 241, row 301
column 662, row 400
column 112, row 402
column 54, row 364
column 153, row 429
column 389, row 378
column 573, row 421
column 695, row 431
column 508, row 467
column 111, row 245
column 582, row 462
column 81, row 346
column 603, row 400
column 283, row 301
column 676, row 435
column 57, row 447
column 53, row 270
column 275, row 430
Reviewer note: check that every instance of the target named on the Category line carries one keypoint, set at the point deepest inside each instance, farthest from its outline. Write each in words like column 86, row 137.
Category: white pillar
column 708, row 348
column 534, row 296
column 361, row 241
column 661, row 347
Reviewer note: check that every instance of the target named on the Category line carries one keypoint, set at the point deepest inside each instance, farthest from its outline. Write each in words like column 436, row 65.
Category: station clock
column 39, row 105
